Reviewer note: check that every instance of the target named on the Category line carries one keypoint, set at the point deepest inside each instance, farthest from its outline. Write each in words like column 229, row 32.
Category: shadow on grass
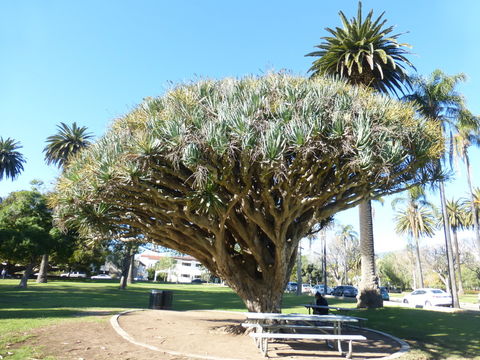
column 439, row 334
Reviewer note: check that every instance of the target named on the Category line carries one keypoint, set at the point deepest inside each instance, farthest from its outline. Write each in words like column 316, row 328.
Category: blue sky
column 92, row 61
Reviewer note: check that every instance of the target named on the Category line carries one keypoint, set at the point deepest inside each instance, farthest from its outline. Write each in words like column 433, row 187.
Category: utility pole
column 323, row 237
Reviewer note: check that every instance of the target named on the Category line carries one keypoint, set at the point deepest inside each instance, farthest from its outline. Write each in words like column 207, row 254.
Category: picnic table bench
column 336, row 308
column 267, row 325
column 265, row 336
column 329, row 307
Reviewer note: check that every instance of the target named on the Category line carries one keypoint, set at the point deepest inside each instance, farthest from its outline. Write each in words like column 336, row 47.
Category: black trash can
column 161, row 300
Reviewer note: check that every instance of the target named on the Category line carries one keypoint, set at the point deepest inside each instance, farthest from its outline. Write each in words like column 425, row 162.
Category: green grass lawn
column 434, row 335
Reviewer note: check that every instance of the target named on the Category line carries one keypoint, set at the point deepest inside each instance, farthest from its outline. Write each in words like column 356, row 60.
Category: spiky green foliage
column 363, row 52
column 436, row 97
column 459, row 214
column 11, row 160
column 67, row 142
column 416, row 221
column 236, row 172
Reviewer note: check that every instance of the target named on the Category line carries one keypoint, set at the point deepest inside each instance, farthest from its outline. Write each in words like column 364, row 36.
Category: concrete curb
column 404, row 347
column 127, row 337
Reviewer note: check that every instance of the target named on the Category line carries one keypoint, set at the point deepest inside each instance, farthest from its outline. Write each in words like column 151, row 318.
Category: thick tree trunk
column 472, row 200
column 261, row 291
column 457, row 263
column 42, row 273
column 418, row 262
column 125, row 267
column 369, row 293
column 26, row 275
column 449, row 248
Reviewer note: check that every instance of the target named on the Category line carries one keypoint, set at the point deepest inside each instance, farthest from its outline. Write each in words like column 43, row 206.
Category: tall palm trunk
column 449, row 248
column 26, row 275
column 472, row 200
column 42, row 273
column 369, row 294
column 457, row 262
column 418, row 264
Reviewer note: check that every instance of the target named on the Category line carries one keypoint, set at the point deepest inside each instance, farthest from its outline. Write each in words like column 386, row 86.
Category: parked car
column 291, row 286
column 384, row 293
column 197, row 281
column 101, row 277
column 428, row 297
column 345, row 290
column 306, row 288
column 74, row 274
column 320, row 289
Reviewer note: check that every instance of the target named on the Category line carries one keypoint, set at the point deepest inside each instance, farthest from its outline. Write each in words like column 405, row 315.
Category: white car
column 306, row 288
column 101, row 277
column 428, row 297
column 320, row 289
column 74, row 274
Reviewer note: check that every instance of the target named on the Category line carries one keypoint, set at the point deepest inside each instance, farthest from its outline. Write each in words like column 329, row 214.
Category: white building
column 185, row 269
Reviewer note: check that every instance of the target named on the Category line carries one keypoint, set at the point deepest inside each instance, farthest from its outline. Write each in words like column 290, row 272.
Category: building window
column 185, row 275
column 186, row 264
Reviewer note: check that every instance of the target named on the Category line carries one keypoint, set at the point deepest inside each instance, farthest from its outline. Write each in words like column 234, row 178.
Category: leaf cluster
column 364, row 52
column 252, row 163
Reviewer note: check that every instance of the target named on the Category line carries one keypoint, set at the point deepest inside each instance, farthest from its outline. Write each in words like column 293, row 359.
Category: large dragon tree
column 236, row 172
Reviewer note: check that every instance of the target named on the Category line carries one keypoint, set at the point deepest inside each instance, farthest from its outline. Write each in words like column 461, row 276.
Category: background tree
column 60, row 147
column 348, row 238
column 164, row 265
column 25, row 229
column 416, row 219
column 236, row 172
column 394, row 270
column 436, row 98
column 11, row 160
column 364, row 52
column 458, row 219
column 436, row 259
column 468, row 134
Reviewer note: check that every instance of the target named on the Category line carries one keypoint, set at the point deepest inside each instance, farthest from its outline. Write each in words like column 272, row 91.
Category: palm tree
column 416, row 219
column 11, row 161
column 437, row 100
column 364, row 53
column 347, row 235
column 60, row 148
column 475, row 204
column 468, row 133
column 458, row 219
column 67, row 142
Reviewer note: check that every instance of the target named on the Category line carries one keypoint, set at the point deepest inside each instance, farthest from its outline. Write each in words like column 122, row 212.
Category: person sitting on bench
column 321, row 301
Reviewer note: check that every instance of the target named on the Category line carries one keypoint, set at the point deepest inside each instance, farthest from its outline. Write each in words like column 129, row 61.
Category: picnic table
column 327, row 327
